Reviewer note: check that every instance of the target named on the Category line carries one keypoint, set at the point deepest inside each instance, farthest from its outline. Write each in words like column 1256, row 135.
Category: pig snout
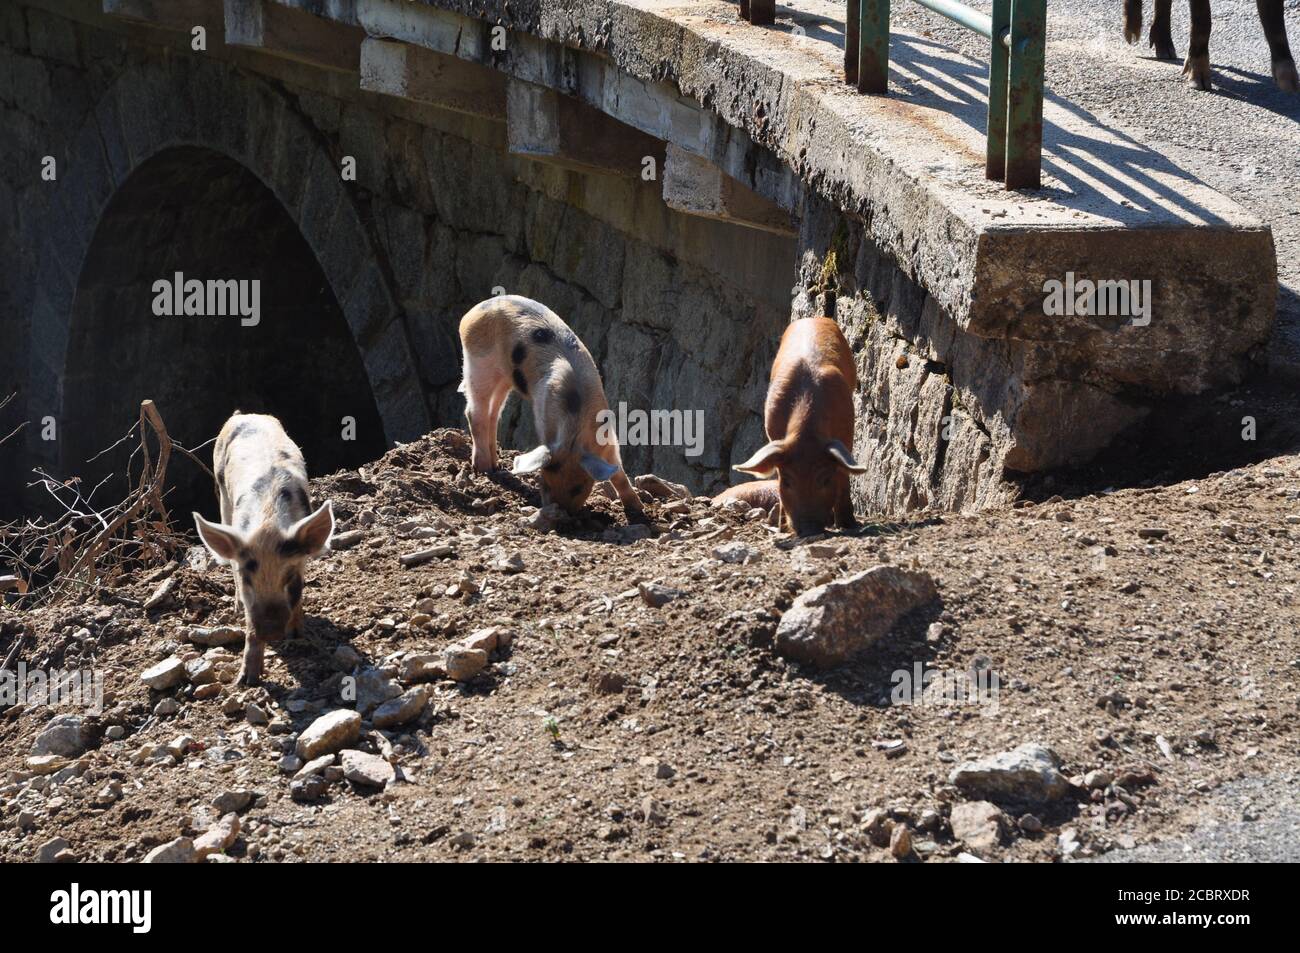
column 269, row 622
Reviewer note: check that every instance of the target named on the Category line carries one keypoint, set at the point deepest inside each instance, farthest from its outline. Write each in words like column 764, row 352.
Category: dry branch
column 86, row 546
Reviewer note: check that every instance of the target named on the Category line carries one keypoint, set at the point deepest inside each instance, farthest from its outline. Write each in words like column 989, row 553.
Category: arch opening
column 196, row 213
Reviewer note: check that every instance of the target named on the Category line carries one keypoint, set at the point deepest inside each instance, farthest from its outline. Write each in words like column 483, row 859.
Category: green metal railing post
column 995, row 161
column 1017, row 33
column 1025, row 94
column 852, row 10
column 873, row 47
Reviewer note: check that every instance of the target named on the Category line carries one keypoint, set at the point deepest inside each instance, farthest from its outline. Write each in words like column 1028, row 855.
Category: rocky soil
column 481, row 681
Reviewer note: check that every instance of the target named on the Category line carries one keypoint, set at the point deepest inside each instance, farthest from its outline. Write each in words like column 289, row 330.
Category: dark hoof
column 1197, row 71
column 1164, row 49
column 1284, row 75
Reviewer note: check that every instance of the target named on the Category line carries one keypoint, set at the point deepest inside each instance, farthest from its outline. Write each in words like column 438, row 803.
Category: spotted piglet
column 515, row 343
column 267, row 532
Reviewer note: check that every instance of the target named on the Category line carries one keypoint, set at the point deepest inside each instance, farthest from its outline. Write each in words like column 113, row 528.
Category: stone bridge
column 676, row 183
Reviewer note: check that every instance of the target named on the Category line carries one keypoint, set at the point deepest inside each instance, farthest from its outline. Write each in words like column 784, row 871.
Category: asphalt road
column 1255, row 820
column 1242, row 139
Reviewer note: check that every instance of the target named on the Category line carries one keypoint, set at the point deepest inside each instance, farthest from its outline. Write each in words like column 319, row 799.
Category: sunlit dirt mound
column 1148, row 638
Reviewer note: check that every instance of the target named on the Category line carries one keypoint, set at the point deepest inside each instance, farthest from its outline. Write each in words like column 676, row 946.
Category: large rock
column 830, row 624
column 329, row 733
column 64, row 735
column 1028, row 775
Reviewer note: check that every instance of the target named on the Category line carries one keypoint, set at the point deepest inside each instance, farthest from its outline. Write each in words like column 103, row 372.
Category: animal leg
column 250, row 671
column 1284, row 72
column 1132, row 20
column 1197, row 66
column 481, row 383
column 1161, row 38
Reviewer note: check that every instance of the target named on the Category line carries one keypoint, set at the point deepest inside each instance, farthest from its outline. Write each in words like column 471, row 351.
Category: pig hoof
column 1284, row 75
column 1197, row 71
column 247, row 679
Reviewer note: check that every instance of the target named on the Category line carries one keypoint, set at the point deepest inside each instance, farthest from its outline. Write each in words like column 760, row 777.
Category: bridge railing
column 1017, row 34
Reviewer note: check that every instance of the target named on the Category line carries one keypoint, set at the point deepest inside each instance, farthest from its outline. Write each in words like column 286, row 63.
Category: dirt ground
column 1148, row 633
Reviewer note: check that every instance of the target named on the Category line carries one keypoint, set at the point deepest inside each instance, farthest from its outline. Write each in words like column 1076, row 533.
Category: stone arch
column 185, row 103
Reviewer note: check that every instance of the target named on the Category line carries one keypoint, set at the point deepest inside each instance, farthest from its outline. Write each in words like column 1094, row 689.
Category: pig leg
column 250, row 671
column 227, row 514
column 1161, row 38
column 780, row 520
column 1270, row 15
column 1132, row 20
column 844, row 512
column 485, row 388
column 627, row 493
column 1197, row 66
column 622, row 485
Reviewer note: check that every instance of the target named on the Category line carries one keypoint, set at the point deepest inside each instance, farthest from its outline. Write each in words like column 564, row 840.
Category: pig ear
column 763, row 463
column 598, row 468
column 533, row 460
column 222, row 541
column 311, row 534
column 843, row 457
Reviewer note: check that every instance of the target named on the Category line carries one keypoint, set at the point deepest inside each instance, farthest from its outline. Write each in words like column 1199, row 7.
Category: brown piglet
column 809, row 423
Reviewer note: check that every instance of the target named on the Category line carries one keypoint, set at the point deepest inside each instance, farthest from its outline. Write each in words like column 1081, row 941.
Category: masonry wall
column 679, row 312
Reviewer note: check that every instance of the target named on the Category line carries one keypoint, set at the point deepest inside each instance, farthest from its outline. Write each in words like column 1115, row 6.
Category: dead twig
column 88, row 545
column 3, row 404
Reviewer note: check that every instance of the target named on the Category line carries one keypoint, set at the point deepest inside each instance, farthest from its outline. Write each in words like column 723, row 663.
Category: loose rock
column 830, row 624
column 1027, row 775
column 218, row 838
column 978, row 824
column 168, row 673
column 178, row 851
column 398, row 711
column 462, row 664
column 368, row 770
column 329, row 733
column 62, row 735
